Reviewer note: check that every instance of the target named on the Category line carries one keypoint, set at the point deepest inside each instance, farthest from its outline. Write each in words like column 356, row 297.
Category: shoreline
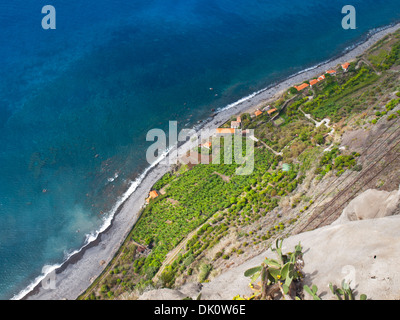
column 74, row 275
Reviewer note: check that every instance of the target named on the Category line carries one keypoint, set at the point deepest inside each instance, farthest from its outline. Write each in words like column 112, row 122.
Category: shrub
column 168, row 277
column 205, row 270
column 218, row 255
column 279, row 274
column 188, row 260
column 319, row 138
column 104, row 288
column 292, row 90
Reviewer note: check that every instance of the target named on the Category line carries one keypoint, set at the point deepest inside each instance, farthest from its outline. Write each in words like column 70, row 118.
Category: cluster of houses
column 268, row 109
column 234, row 126
column 237, row 124
column 345, row 67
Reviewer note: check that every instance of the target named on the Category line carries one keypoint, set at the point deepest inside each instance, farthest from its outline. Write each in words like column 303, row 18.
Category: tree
column 319, row 138
column 167, row 277
column 304, row 135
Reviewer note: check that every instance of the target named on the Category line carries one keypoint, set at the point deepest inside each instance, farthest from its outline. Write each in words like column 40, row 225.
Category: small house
column 345, row 66
column 258, row 113
column 225, row 130
column 235, row 124
column 302, row 86
column 152, row 195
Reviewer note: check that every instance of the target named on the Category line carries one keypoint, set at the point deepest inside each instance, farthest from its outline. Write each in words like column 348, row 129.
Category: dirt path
column 267, row 146
column 223, row 177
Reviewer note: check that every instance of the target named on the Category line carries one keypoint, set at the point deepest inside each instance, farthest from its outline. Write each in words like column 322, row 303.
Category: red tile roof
column 257, row 113
column 153, row 194
column 225, row 130
column 345, row 66
column 313, row 81
column 302, row 86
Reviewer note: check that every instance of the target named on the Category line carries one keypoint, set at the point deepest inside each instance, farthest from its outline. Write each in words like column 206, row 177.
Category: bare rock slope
column 371, row 204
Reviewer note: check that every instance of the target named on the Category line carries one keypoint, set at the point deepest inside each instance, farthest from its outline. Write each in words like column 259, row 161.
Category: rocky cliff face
column 371, row 204
column 361, row 246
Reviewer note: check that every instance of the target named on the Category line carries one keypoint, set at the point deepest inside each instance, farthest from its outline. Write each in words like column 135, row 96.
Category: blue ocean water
column 76, row 102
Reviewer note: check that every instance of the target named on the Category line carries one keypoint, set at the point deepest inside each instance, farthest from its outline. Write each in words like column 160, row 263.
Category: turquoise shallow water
column 76, row 102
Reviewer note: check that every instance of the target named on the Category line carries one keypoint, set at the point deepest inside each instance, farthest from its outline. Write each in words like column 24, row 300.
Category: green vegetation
column 333, row 160
column 205, row 270
column 345, row 292
column 388, row 108
column 335, row 99
column 392, row 104
column 280, row 275
column 313, row 291
column 384, row 61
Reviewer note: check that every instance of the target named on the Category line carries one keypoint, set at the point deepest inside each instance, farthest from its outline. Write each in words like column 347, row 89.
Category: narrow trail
column 269, row 148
